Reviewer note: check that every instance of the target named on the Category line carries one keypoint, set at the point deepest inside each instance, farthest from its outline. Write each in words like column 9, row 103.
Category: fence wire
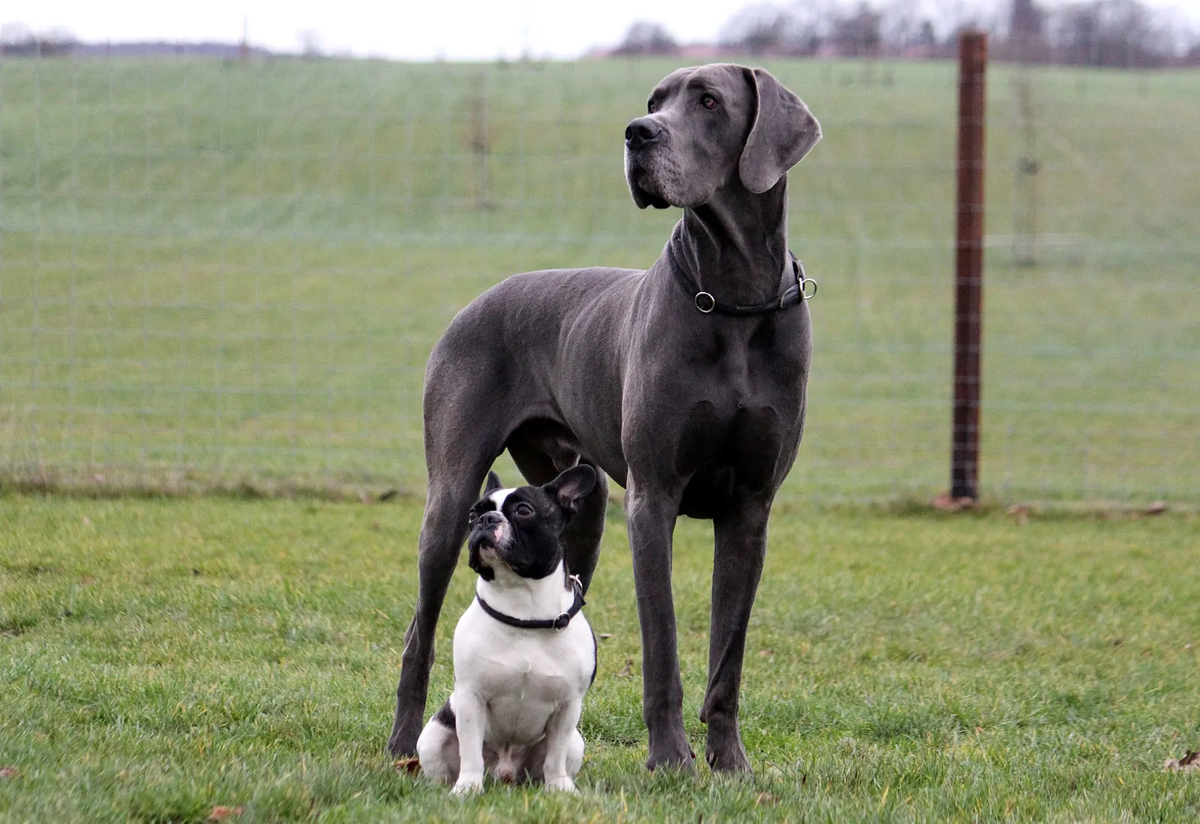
column 218, row 274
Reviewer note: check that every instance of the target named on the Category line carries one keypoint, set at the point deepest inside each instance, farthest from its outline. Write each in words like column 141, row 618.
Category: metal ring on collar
column 561, row 622
column 806, row 295
column 705, row 302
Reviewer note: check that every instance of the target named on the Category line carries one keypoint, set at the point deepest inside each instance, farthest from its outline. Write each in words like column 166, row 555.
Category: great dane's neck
column 735, row 246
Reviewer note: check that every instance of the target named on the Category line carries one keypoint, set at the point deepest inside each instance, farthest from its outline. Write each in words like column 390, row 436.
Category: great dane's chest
column 734, row 408
column 745, row 366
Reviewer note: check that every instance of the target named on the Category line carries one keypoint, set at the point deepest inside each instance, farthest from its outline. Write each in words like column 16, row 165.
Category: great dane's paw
column 562, row 785
column 397, row 750
column 663, row 758
column 468, row 786
column 728, row 760
column 403, row 741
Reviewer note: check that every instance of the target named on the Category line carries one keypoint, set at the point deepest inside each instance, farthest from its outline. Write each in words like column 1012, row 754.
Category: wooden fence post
column 968, row 309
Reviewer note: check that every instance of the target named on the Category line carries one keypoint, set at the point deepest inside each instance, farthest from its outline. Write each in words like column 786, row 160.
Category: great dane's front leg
column 443, row 531
column 741, row 546
column 651, row 519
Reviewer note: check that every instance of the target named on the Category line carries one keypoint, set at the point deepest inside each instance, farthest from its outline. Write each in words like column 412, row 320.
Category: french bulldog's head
column 521, row 528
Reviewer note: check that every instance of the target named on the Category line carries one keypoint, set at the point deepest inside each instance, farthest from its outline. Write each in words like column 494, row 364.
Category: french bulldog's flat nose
column 641, row 131
column 489, row 520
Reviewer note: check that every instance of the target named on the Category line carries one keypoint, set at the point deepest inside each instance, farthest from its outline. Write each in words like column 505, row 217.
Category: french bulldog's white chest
column 522, row 675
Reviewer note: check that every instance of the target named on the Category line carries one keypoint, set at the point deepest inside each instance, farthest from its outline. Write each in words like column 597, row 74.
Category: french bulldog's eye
column 524, row 510
column 709, row 102
column 471, row 517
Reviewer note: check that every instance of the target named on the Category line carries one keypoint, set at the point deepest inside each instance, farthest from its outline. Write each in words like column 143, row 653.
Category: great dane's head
column 712, row 126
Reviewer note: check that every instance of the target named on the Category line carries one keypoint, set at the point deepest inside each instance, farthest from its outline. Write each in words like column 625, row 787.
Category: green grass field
column 217, row 275
column 161, row 658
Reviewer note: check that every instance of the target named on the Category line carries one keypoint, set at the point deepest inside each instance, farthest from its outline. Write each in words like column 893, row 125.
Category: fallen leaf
column 1191, row 762
column 627, row 670
column 222, row 813
column 87, row 521
column 947, row 504
column 1020, row 512
column 1156, row 508
column 766, row 653
column 9, row 772
column 388, row 494
column 412, row 766
column 604, row 636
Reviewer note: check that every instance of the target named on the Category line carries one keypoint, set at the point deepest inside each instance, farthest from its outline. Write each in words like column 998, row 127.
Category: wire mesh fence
column 230, row 273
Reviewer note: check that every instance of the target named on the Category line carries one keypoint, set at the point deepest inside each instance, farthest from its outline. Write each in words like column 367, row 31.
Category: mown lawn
column 160, row 658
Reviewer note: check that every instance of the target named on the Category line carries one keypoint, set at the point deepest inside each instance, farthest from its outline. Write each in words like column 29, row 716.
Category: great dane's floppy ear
column 784, row 131
column 571, row 487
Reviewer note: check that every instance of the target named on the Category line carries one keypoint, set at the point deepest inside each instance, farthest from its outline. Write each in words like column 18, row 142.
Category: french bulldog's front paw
column 562, row 785
column 467, row 786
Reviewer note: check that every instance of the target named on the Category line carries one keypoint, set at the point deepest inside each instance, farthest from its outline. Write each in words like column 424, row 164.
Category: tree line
column 1109, row 33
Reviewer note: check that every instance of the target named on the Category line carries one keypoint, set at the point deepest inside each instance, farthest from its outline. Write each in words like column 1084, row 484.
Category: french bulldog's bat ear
column 784, row 131
column 493, row 483
column 571, row 487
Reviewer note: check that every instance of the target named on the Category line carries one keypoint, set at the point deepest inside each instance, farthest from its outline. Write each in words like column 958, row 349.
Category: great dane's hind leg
column 741, row 546
column 443, row 531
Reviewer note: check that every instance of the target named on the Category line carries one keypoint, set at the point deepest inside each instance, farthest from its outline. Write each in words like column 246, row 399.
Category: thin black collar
column 558, row 624
column 795, row 294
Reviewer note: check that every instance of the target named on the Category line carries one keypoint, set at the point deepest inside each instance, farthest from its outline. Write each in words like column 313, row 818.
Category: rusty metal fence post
column 968, row 309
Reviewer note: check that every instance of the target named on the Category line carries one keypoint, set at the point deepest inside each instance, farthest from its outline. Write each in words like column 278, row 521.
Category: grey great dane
column 685, row 383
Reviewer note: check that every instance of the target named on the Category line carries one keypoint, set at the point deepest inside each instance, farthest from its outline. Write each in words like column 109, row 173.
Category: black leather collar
column 558, row 624
column 795, row 294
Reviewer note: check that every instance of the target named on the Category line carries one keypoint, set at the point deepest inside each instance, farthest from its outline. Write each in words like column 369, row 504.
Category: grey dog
column 685, row 383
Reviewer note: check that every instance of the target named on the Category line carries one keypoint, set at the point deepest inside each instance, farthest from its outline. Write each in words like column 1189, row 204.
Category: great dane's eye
column 524, row 510
column 709, row 102
column 651, row 107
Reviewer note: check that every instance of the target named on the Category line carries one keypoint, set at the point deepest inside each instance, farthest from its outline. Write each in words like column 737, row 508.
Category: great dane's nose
column 641, row 131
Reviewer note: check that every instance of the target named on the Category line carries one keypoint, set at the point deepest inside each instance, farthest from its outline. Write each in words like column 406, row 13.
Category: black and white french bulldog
column 524, row 655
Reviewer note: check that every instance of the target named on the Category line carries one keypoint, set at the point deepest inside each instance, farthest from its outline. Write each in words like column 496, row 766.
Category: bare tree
column 1026, row 41
column 20, row 40
column 765, row 28
column 1026, row 19
column 310, row 43
column 859, row 34
column 1118, row 33
column 646, row 38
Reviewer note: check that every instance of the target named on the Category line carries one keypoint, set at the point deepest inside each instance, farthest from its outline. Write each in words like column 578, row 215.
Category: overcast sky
column 408, row 29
